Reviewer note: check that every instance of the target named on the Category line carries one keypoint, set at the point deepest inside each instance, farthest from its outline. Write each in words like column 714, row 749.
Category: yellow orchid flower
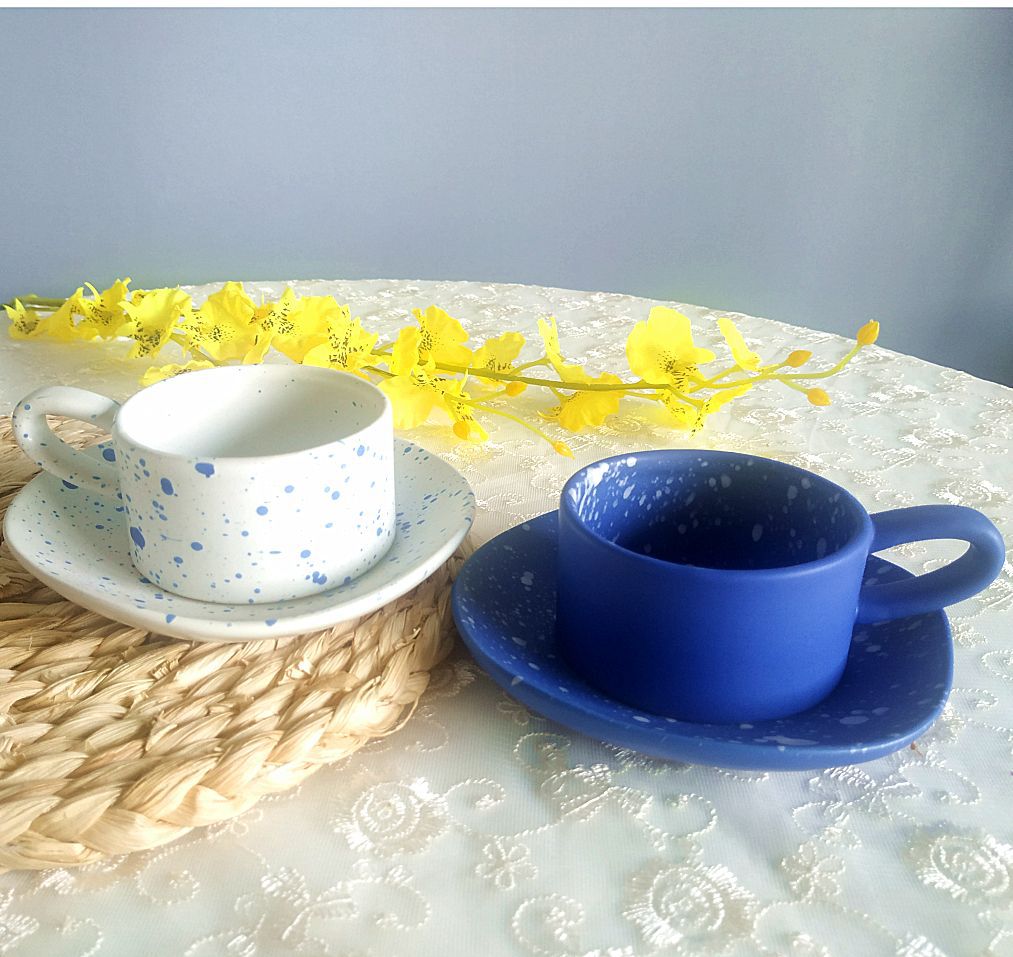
column 549, row 332
column 662, row 350
column 412, row 392
column 223, row 326
column 348, row 346
column 158, row 373
column 59, row 324
column 568, row 372
column 153, row 319
column 465, row 424
column 413, row 397
column 579, row 410
column 104, row 316
column 306, row 325
column 404, row 356
column 744, row 357
column 270, row 319
column 441, row 338
column 294, row 325
column 26, row 323
column 683, row 415
column 499, row 354
column 415, row 393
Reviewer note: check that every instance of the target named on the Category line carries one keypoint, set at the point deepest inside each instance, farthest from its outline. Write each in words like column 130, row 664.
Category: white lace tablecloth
column 481, row 828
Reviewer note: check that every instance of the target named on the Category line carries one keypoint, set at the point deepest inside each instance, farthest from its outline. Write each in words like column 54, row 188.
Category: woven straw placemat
column 114, row 740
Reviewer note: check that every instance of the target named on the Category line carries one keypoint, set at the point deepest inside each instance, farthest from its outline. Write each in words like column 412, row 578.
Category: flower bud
column 799, row 358
column 868, row 334
column 818, row 397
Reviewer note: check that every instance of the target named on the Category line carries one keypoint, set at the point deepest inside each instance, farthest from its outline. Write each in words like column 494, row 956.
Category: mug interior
column 714, row 510
column 250, row 411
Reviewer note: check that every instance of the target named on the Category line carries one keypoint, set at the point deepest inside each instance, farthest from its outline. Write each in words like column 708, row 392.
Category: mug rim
column 385, row 413
column 854, row 544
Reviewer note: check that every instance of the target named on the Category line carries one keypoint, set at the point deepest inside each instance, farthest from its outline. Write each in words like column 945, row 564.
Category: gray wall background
column 822, row 167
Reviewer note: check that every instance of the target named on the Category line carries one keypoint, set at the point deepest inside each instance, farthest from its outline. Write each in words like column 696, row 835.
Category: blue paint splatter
column 289, row 488
column 109, row 455
column 205, row 468
column 319, row 579
column 196, row 546
column 379, row 531
column 261, row 509
column 305, row 553
column 135, row 534
column 28, row 407
column 177, row 559
column 69, row 484
column 270, row 621
column 360, row 451
column 244, row 533
column 167, row 486
column 170, row 618
column 335, row 495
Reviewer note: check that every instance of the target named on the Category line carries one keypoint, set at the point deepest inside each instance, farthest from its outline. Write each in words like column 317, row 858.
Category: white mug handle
column 50, row 452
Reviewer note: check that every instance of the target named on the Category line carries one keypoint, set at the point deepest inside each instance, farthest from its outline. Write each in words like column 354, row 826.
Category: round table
column 482, row 827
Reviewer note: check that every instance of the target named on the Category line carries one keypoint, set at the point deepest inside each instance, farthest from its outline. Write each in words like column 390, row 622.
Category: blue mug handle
column 974, row 571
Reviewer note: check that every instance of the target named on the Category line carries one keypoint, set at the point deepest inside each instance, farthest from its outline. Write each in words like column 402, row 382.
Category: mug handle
column 48, row 451
column 974, row 571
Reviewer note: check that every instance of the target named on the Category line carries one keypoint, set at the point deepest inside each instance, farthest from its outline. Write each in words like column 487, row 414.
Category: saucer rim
column 682, row 743
column 190, row 628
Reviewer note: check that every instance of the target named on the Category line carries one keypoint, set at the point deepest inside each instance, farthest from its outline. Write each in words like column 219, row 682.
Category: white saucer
column 76, row 543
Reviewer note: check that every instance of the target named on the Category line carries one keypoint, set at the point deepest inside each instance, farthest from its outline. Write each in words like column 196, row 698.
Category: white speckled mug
column 241, row 484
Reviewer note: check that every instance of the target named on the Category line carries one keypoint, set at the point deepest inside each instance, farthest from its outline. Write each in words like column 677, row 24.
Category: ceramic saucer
column 76, row 543
column 895, row 684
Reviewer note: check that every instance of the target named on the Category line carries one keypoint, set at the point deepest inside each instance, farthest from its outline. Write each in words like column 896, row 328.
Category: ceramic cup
column 241, row 484
column 719, row 587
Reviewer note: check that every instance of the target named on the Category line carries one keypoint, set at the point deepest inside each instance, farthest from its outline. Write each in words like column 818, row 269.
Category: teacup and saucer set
column 235, row 503
column 723, row 609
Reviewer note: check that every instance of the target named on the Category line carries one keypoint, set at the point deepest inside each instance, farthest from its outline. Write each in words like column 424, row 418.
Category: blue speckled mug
column 241, row 484
column 718, row 587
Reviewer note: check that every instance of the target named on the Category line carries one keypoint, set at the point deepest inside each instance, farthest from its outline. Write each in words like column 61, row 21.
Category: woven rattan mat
column 113, row 740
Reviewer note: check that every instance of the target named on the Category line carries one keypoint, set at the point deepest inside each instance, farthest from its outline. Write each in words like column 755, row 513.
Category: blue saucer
column 895, row 684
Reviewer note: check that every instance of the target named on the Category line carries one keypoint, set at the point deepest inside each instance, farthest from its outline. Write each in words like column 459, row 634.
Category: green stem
column 548, row 383
column 707, row 383
column 506, row 415
column 795, row 386
column 787, row 377
column 833, row 370
column 544, row 361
